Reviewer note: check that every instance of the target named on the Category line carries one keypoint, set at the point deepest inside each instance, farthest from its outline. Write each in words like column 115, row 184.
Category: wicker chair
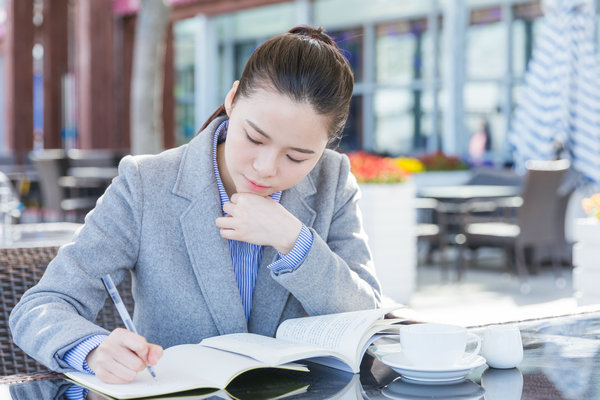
column 538, row 223
column 21, row 268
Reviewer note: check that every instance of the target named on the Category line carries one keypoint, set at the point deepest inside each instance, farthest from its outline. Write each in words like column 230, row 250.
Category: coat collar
column 209, row 253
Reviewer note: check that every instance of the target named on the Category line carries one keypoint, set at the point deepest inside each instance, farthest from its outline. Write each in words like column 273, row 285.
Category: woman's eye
column 252, row 140
column 294, row 159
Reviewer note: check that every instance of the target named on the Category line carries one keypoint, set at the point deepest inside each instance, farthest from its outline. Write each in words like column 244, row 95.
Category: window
column 350, row 41
column 394, row 121
column 242, row 52
column 482, row 102
column 398, row 55
column 352, row 136
column 404, row 67
column 486, row 45
column 184, row 44
column 524, row 26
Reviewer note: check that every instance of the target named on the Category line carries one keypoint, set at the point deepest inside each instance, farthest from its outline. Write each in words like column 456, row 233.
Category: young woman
column 251, row 223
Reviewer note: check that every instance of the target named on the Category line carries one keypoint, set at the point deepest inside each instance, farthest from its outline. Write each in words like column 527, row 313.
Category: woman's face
column 272, row 142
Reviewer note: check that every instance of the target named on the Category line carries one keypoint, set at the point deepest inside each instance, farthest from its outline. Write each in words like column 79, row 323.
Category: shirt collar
column 220, row 136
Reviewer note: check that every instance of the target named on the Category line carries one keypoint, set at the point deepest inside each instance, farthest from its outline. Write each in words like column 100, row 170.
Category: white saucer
column 465, row 390
column 432, row 376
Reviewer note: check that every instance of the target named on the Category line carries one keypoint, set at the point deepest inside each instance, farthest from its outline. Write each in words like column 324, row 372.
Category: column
column 168, row 108
column 124, row 41
column 206, row 86
column 95, row 74
column 433, row 143
column 454, row 135
column 304, row 12
column 368, row 96
column 56, row 65
column 18, row 46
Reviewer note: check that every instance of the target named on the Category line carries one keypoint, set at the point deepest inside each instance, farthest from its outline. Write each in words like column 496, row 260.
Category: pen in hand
column 123, row 313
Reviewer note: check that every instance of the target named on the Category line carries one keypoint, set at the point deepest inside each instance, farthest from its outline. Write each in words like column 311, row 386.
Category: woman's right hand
column 121, row 356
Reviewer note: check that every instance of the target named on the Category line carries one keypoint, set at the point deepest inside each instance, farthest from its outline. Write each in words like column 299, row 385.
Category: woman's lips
column 255, row 186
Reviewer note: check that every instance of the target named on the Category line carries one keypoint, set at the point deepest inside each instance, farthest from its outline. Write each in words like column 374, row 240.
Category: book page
column 182, row 367
column 342, row 333
column 269, row 350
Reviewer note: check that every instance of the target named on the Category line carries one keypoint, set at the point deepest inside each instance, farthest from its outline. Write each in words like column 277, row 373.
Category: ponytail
column 218, row 112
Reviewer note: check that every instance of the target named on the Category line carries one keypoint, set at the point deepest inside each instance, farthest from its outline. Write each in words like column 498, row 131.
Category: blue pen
column 116, row 298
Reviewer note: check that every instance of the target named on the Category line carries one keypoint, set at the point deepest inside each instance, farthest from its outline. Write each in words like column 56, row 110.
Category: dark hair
column 306, row 65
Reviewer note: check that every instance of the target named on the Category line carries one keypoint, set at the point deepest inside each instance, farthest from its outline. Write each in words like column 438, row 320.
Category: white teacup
column 502, row 346
column 436, row 345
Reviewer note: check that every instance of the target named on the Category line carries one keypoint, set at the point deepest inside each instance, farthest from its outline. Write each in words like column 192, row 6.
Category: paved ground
column 489, row 294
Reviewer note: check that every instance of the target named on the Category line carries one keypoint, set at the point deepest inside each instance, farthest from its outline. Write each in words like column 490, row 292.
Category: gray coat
column 157, row 220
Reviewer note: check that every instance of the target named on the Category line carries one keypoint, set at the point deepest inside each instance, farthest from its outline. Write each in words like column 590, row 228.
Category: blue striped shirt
column 245, row 257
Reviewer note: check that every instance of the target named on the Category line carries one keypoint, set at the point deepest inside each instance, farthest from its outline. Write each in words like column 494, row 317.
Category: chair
column 494, row 176
column 21, row 268
column 51, row 166
column 429, row 229
column 533, row 223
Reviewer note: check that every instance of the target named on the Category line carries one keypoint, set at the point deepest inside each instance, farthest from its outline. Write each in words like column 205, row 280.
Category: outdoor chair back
column 51, row 166
column 540, row 218
column 539, row 221
column 495, row 176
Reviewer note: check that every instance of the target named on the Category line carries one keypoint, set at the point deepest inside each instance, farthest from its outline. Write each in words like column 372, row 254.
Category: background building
column 428, row 72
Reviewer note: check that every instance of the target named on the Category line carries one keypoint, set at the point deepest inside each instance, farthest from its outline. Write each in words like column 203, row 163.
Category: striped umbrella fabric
column 560, row 109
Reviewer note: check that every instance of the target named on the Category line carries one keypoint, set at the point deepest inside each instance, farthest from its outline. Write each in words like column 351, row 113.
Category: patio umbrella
column 559, row 114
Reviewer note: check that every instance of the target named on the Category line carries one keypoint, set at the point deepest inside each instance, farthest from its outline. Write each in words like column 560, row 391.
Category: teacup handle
column 474, row 353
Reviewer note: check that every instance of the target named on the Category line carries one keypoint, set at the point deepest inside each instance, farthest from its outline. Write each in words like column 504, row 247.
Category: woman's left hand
column 259, row 220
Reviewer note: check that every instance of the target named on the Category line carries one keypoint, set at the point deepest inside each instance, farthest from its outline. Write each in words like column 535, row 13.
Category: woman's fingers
column 121, row 356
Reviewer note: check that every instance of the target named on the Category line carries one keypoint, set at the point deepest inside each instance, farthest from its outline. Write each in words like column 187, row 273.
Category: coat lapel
column 269, row 297
column 208, row 252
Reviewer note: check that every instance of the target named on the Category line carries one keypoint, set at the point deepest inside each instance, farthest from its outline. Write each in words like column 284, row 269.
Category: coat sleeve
column 57, row 313
column 337, row 274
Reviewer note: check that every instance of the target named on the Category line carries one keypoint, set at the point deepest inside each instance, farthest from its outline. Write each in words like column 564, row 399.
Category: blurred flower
column 371, row 168
column 591, row 205
column 410, row 164
column 439, row 161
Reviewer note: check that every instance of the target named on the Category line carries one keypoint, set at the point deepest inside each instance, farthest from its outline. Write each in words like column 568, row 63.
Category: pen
column 116, row 298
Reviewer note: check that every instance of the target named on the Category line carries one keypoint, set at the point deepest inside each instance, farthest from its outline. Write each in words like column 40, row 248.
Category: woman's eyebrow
column 263, row 133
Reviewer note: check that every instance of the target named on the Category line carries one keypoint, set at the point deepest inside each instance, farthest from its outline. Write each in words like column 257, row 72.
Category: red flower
column 371, row 168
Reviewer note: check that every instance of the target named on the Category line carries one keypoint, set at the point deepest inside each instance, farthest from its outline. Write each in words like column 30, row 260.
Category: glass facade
column 351, row 43
column 399, row 56
column 184, row 50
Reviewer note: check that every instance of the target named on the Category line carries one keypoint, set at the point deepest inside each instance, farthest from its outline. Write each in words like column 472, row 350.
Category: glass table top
column 561, row 361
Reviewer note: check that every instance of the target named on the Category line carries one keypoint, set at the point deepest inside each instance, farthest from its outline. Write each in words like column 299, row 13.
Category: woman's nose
column 265, row 164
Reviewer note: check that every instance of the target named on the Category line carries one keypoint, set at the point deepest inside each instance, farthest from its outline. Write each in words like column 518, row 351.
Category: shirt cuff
column 77, row 355
column 289, row 262
column 75, row 392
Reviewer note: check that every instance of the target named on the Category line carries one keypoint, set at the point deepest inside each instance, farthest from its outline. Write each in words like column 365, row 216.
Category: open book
column 335, row 340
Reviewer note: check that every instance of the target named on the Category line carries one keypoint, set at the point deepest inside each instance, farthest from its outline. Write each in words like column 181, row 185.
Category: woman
column 251, row 223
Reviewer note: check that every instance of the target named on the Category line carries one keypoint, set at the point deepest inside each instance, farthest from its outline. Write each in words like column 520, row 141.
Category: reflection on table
column 561, row 361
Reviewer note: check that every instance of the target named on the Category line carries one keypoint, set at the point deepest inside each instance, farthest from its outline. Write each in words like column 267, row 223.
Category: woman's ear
column 229, row 98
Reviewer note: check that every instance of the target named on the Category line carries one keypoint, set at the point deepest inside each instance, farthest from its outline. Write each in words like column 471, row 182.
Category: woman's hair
column 306, row 65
